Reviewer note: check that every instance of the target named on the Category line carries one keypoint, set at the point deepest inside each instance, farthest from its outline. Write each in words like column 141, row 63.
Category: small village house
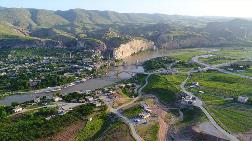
column 17, row 109
column 243, row 99
column 56, row 99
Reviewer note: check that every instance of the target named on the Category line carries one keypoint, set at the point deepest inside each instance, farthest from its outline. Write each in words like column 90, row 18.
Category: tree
column 3, row 112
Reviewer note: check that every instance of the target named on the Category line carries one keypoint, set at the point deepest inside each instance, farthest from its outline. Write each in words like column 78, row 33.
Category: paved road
column 216, row 67
column 56, row 104
column 27, row 110
column 140, row 93
column 125, row 119
column 199, row 103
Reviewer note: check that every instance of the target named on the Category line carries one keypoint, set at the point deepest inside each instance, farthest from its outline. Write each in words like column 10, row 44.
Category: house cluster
column 168, row 71
column 40, row 67
column 112, row 92
column 188, row 100
column 237, row 67
column 62, row 110
column 96, row 101
column 209, row 68
column 145, row 114
column 128, row 86
column 87, row 97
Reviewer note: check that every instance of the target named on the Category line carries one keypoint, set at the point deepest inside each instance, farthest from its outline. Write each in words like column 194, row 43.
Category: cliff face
column 90, row 43
column 190, row 41
column 133, row 46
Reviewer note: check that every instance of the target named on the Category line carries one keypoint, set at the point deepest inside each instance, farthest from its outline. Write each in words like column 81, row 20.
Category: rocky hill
column 31, row 18
column 132, row 47
column 109, row 31
column 57, row 35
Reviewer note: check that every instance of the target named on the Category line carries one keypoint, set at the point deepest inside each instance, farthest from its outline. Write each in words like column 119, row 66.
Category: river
column 91, row 84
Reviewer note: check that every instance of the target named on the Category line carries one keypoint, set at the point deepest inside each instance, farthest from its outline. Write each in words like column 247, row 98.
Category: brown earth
column 68, row 134
column 120, row 101
column 164, row 122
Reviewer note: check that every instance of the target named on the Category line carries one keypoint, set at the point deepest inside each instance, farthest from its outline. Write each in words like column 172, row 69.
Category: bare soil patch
column 68, row 134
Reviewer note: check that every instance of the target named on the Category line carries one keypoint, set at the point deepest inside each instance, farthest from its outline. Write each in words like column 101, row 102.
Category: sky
column 228, row 8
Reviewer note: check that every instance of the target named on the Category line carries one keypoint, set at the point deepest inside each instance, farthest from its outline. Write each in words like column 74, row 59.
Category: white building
column 243, row 99
column 146, row 107
column 56, row 99
column 17, row 109
column 89, row 98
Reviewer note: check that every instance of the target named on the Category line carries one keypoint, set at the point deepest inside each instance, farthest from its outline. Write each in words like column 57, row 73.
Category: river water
column 91, row 84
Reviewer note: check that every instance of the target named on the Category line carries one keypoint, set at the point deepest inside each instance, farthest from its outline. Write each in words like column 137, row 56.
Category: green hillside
column 7, row 31
column 18, row 17
column 169, row 31
column 47, row 18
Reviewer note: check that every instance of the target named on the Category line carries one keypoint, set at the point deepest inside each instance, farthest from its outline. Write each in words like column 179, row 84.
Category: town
column 44, row 73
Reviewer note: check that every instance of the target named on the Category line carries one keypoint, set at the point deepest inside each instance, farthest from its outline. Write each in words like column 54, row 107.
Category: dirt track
column 164, row 121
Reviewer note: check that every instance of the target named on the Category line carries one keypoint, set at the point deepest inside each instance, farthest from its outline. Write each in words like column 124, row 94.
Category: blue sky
column 231, row 8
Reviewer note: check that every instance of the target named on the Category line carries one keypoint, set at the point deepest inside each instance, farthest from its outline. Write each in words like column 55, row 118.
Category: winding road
column 199, row 103
column 216, row 67
column 125, row 119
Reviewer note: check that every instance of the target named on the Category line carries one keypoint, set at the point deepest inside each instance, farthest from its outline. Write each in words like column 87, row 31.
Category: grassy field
column 234, row 53
column 224, row 85
column 186, row 54
column 104, row 127
column 149, row 132
column 94, row 128
column 118, row 131
column 157, row 63
column 138, row 79
column 211, row 99
column 184, row 67
column 214, row 60
column 122, row 100
column 233, row 117
column 133, row 111
column 247, row 72
column 165, row 87
column 192, row 115
column 33, row 125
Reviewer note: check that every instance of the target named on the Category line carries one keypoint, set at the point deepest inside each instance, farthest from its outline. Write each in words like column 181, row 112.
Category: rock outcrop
column 91, row 43
column 133, row 46
column 165, row 41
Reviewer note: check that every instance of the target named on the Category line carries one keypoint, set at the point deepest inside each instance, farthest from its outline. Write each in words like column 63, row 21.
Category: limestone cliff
column 133, row 46
column 187, row 41
column 91, row 43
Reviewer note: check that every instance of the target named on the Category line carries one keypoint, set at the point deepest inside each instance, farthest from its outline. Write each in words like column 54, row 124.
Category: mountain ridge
column 28, row 17
column 68, row 28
